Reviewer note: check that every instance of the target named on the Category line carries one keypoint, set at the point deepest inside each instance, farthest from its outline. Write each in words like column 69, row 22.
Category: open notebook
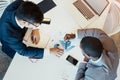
column 44, row 39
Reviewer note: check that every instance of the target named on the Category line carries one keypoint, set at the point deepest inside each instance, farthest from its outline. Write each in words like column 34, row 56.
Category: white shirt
column 18, row 23
column 98, row 62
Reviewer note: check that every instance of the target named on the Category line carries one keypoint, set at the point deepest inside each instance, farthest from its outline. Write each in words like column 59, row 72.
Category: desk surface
column 52, row 67
column 49, row 68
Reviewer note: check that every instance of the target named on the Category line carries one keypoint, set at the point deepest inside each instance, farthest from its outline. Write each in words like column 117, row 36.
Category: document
column 44, row 38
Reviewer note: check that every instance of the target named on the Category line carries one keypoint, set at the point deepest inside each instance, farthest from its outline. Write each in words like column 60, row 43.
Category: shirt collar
column 98, row 62
column 18, row 23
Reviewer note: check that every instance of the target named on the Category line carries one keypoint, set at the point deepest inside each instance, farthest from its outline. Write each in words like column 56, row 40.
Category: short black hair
column 91, row 46
column 30, row 12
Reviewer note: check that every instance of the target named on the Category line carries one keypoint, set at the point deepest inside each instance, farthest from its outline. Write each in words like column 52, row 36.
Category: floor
column 4, row 59
column 4, row 63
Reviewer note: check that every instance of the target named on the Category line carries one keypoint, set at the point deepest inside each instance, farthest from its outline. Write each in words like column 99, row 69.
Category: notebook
column 44, row 39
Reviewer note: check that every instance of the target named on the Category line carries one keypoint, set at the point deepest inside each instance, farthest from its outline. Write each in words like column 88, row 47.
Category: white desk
column 52, row 67
column 49, row 68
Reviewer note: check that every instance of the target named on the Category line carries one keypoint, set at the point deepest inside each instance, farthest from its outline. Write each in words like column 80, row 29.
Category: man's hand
column 67, row 37
column 86, row 59
column 57, row 51
column 35, row 36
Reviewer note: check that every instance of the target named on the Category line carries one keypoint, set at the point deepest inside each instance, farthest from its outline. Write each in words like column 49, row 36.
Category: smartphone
column 72, row 60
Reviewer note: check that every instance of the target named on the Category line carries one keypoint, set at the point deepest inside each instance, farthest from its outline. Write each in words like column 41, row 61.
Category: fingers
column 67, row 37
column 59, row 52
column 34, row 39
column 86, row 59
column 35, row 36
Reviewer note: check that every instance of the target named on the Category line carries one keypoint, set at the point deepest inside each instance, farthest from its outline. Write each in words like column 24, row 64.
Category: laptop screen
column 97, row 6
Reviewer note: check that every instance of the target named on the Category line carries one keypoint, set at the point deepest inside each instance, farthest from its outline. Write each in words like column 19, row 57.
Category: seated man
column 17, row 17
column 101, row 56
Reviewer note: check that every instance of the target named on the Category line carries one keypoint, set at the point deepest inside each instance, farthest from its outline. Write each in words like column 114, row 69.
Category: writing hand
column 35, row 36
column 86, row 59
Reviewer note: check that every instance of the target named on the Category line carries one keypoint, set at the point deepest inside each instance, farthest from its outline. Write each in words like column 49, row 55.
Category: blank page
column 98, row 6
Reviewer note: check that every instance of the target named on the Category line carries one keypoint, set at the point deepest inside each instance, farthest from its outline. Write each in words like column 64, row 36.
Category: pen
column 66, row 44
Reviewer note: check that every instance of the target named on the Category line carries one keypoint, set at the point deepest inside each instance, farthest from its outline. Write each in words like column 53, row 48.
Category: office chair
column 112, row 22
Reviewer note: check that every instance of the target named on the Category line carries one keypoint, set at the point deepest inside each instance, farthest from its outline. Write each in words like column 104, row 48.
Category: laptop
column 46, row 5
column 85, row 12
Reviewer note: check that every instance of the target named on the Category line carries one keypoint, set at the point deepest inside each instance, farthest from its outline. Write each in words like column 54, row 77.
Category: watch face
column 72, row 60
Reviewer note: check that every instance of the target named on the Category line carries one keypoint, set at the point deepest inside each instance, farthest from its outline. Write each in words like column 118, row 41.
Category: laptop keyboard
column 83, row 9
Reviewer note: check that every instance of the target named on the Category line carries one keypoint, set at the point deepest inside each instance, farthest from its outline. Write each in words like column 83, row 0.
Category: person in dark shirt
column 17, row 17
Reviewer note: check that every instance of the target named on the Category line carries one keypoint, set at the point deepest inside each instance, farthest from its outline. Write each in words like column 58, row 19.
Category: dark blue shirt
column 11, row 35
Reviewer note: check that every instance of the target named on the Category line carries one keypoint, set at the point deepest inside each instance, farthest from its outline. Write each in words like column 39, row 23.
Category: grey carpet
column 4, row 63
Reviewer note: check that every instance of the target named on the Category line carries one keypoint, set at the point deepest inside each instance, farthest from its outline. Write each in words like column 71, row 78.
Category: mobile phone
column 72, row 60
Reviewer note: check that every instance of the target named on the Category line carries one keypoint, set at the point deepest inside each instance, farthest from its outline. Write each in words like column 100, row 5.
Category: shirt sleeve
column 15, row 42
column 46, row 53
column 81, row 71
column 14, row 5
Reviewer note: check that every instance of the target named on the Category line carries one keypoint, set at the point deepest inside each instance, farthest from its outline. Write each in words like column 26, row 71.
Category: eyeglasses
column 45, row 21
column 31, row 23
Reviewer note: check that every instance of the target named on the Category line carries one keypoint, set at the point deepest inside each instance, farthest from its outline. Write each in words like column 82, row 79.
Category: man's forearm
column 81, row 71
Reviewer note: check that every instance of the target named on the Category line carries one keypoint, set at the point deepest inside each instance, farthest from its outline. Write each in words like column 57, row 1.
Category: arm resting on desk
column 81, row 71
